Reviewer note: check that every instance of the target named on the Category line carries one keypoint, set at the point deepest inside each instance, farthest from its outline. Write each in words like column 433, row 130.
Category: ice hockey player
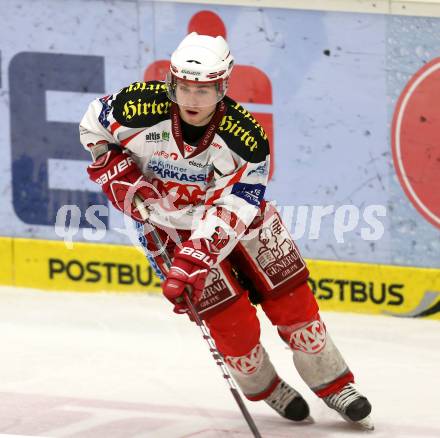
column 201, row 161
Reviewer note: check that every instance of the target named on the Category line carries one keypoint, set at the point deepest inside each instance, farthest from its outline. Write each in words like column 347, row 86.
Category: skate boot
column 288, row 402
column 353, row 406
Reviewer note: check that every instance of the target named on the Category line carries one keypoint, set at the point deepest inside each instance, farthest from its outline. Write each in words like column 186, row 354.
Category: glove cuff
column 199, row 252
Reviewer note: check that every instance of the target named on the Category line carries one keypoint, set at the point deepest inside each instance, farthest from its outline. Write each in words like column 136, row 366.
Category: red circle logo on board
column 415, row 139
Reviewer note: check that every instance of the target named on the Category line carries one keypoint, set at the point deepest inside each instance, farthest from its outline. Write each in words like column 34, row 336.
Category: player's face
column 197, row 102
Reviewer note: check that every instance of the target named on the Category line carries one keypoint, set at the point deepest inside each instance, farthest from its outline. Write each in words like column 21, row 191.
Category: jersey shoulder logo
column 142, row 104
column 242, row 133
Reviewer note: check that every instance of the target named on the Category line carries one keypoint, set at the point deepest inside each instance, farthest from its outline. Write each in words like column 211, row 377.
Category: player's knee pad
column 236, row 328
column 254, row 373
column 294, row 305
column 308, row 337
column 318, row 361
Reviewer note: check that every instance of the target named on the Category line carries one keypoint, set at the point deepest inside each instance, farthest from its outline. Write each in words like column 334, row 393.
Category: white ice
column 123, row 365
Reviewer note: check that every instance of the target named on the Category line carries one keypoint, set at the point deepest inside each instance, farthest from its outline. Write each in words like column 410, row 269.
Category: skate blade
column 308, row 420
column 366, row 423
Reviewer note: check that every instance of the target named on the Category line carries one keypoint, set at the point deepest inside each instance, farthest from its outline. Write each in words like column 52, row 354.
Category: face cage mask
column 192, row 94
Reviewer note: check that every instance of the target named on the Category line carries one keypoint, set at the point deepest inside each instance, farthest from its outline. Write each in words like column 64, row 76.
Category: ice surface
column 122, row 366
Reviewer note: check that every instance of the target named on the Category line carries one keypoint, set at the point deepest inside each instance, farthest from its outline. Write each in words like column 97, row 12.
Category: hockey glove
column 191, row 265
column 120, row 178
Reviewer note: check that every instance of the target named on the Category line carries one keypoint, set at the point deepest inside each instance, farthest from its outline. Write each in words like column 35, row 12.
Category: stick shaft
column 195, row 315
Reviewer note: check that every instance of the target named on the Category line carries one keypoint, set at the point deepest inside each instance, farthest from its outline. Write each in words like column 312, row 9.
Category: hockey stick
column 195, row 315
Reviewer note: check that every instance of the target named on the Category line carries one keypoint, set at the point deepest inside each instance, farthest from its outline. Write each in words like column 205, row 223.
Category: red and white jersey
column 213, row 189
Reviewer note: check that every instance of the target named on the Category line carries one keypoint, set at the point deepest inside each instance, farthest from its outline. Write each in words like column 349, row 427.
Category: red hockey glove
column 117, row 174
column 191, row 265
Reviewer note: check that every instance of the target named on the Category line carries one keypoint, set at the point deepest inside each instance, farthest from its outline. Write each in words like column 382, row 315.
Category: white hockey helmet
column 200, row 59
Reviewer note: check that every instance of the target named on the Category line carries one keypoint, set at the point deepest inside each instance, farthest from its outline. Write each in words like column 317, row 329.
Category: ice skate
column 353, row 406
column 288, row 402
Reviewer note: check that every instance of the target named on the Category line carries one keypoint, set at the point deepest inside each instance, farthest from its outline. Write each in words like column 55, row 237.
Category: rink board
column 338, row 286
column 370, row 288
column 51, row 265
column 6, row 261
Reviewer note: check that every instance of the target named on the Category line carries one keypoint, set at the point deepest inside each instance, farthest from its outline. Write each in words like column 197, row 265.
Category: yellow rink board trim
column 86, row 267
column 340, row 286
column 381, row 289
column 6, row 262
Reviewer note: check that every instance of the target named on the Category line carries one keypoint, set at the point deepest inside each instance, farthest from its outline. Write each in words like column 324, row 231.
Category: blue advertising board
column 325, row 85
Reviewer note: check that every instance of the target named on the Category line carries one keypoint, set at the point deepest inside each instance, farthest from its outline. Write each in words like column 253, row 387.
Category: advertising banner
column 50, row 265
column 348, row 100
column 341, row 286
column 378, row 289
column 6, row 266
